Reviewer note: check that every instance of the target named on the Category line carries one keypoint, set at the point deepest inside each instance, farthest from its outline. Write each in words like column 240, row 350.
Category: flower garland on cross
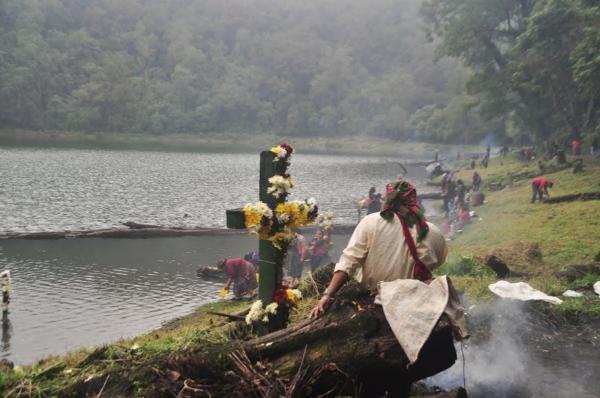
column 276, row 222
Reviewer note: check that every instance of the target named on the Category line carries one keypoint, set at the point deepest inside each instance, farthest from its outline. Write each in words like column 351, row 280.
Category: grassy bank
column 223, row 142
column 534, row 239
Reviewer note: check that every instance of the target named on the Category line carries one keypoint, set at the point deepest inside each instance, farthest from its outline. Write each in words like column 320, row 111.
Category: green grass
column 188, row 333
column 537, row 239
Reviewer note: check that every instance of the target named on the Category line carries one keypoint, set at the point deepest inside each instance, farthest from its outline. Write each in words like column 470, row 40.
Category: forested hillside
column 391, row 68
column 293, row 67
column 536, row 63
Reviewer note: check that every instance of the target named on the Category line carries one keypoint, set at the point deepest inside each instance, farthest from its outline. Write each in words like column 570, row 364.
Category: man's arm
column 337, row 281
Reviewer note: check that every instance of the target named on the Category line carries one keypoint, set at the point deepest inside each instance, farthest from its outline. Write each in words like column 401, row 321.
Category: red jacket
column 541, row 183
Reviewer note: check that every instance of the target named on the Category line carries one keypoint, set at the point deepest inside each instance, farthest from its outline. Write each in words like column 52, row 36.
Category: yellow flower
column 276, row 150
column 281, row 238
column 292, row 297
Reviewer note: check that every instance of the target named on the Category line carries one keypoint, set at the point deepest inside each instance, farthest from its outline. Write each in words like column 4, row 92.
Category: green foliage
column 292, row 68
column 536, row 61
column 465, row 266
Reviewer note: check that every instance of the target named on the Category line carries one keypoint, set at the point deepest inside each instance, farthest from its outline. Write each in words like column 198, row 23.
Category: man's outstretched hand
column 321, row 307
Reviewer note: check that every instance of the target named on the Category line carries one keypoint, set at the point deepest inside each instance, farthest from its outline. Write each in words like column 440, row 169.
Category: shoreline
column 349, row 145
column 143, row 233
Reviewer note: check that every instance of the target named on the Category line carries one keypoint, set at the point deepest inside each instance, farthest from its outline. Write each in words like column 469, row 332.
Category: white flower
column 256, row 312
column 265, row 318
column 283, row 218
column 272, row 308
column 282, row 153
column 279, row 186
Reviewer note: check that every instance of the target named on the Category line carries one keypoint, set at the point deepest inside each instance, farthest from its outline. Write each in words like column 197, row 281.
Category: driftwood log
column 136, row 230
column 213, row 273
column 572, row 272
column 431, row 195
column 573, row 197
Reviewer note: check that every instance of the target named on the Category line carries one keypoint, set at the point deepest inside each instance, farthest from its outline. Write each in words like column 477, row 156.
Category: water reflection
column 6, row 331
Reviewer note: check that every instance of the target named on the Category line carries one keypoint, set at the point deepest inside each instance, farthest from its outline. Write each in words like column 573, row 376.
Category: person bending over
column 539, row 188
column 242, row 274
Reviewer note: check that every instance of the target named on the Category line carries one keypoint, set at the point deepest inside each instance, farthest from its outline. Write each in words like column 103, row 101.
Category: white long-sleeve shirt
column 377, row 251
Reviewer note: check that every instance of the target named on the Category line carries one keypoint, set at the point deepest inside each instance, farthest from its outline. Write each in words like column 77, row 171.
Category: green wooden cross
column 270, row 264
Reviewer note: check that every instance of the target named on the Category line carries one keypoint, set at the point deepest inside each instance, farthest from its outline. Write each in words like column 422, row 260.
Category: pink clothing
column 464, row 217
column 318, row 247
column 239, row 268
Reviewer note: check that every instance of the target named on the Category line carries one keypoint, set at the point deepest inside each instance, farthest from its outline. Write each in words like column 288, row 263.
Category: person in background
column 485, row 161
column 539, row 188
column 473, row 164
column 594, row 145
column 476, row 181
column 242, row 274
column 576, row 146
column 318, row 249
column 488, row 149
column 252, row 257
column 296, row 251
column 374, row 203
column 464, row 215
column 461, row 191
column 5, row 285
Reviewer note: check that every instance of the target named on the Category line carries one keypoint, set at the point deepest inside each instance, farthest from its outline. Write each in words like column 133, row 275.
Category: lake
column 79, row 292
column 56, row 190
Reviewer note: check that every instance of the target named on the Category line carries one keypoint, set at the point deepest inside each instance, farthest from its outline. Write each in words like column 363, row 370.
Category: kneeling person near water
column 242, row 274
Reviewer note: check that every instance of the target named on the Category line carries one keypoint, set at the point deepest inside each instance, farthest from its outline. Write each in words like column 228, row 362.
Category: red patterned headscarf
column 401, row 198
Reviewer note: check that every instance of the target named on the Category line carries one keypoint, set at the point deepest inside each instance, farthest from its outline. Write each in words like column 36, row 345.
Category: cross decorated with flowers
column 273, row 219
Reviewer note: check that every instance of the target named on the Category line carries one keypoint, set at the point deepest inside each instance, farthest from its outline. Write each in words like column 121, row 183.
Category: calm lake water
column 73, row 293
column 55, row 190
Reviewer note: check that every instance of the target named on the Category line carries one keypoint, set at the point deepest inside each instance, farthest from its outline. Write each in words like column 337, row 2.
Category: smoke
column 512, row 354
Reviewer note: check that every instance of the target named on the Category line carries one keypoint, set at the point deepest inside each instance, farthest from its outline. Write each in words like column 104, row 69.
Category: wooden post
column 270, row 263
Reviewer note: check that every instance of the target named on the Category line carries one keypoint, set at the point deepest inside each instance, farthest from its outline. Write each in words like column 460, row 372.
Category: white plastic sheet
column 521, row 291
column 572, row 293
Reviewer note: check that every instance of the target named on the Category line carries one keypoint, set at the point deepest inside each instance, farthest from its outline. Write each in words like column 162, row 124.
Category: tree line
column 440, row 70
column 334, row 67
column 535, row 63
